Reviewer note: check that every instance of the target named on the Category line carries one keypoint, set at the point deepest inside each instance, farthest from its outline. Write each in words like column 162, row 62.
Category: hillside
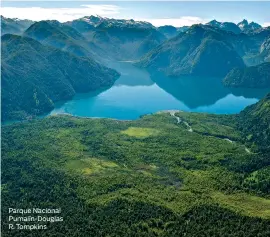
column 265, row 50
column 254, row 122
column 199, row 51
column 249, row 77
column 55, row 34
column 35, row 76
column 168, row 174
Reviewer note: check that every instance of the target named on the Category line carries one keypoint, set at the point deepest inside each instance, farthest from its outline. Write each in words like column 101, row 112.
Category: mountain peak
column 245, row 26
column 244, row 21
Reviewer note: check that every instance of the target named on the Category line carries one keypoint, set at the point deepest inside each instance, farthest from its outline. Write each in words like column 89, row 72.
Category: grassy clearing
column 140, row 132
column 244, row 204
column 90, row 166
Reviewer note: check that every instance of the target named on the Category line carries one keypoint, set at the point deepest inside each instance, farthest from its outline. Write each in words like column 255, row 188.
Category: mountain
column 34, row 76
column 249, row 77
column 242, row 26
column 227, row 26
column 265, row 51
column 245, row 26
column 117, row 38
column 168, row 31
column 14, row 26
column 201, row 50
column 61, row 36
column 171, row 31
column 84, row 25
column 254, row 122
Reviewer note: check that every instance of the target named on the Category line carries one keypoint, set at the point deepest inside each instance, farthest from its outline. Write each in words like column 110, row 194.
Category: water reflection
column 201, row 91
column 138, row 92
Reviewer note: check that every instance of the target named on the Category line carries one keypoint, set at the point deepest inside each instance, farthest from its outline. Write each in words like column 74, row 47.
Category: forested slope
column 156, row 176
column 35, row 76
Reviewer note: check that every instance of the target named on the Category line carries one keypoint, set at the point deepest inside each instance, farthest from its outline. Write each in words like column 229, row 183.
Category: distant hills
column 34, row 76
column 119, row 39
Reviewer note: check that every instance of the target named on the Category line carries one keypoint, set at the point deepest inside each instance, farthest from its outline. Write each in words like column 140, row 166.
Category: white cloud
column 177, row 22
column 265, row 24
column 60, row 14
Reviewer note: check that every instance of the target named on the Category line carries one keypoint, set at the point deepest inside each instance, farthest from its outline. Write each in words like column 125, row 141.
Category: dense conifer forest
column 167, row 174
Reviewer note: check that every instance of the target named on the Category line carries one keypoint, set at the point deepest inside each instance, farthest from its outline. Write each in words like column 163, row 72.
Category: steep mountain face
column 254, row 122
column 247, row 27
column 119, row 39
column 250, row 77
column 55, row 34
column 253, row 46
column 265, row 51
column 14, row 26
column 243, row 24
column 227, row 26
column 34, row 76
column 199, row 51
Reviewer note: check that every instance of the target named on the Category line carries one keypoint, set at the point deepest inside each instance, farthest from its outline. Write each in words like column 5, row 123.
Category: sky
column 176, row 13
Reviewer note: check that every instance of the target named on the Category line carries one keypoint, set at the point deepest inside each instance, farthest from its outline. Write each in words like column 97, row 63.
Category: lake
column 137, row 93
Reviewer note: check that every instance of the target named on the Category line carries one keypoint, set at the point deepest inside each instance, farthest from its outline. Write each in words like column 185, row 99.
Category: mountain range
column 84, row 45
column 118, row 39
column 201, row 50
column 209, row 51
column 241, row 27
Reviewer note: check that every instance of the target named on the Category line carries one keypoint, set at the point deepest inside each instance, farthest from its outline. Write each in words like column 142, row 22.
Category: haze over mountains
column 216, row 49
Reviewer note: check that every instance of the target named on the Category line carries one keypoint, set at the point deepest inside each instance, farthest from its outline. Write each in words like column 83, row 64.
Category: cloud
column 60, row 14
column 265, row 24
column 105, row 10
column 177, row 22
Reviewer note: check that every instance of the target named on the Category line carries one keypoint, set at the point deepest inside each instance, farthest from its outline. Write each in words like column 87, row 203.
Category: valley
column 185, row 67
column 133, row 129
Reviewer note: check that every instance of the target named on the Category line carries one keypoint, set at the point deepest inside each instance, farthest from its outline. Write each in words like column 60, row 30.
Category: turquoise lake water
column 137, row 93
